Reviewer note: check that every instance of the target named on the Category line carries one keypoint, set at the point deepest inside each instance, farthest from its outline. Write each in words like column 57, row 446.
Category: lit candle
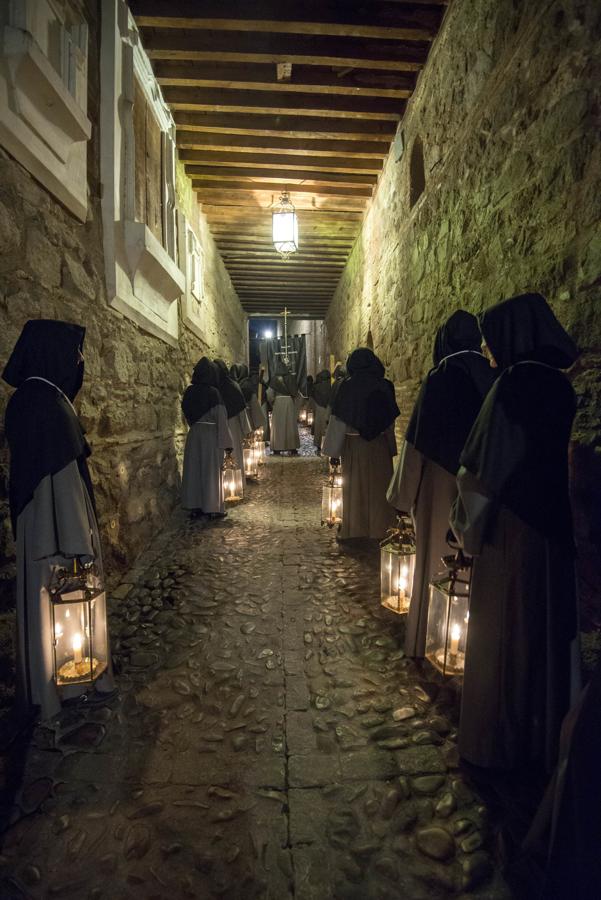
column 58, row 632
column 77, row 658
column 455, row 635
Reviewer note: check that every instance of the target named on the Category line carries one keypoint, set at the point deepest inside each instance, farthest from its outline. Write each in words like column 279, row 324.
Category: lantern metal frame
column 397, row 566
column 310, row 418
column 331, row 499
column 284, row 226
column 231, row 480
column 79, row 625
column 448, row 616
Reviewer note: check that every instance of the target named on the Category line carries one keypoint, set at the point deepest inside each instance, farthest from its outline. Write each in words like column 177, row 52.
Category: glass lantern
column 251, row 463
column 331, row 499
column 448, row 616
column 260, row 452
column 302, row 416
column 285, row 226
column 310, row 418
column 397, row 566
column 233, row 488
column 79, row 629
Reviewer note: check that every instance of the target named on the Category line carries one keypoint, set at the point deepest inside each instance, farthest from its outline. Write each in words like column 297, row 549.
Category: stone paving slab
column 270, row 740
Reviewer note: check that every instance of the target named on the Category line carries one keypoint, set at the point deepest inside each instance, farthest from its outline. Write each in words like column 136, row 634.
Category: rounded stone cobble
column 270, row 739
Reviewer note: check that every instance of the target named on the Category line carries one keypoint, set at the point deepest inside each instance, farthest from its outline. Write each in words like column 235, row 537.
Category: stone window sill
column 38, row 96
column 148, row 260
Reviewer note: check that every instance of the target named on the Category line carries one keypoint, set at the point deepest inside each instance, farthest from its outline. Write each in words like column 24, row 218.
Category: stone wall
column 507, row 110
column 52, row 266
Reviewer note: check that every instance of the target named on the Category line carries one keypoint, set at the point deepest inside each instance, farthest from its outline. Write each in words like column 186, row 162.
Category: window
column 43, row 95
column 191, row 261
column 417, row 174
column 137, row 170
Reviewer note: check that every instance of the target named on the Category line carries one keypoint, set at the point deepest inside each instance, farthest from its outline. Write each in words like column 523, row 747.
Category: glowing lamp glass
column 331, row 500
column 79, row 627
column 285, row 227
column 448, row 618
column 233, row 486
column 397, row 568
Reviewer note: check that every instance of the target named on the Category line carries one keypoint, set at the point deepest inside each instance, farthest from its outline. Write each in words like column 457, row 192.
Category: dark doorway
column 259, row 330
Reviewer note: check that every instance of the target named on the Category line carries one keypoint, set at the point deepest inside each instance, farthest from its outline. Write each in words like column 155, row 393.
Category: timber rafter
column 269, row 96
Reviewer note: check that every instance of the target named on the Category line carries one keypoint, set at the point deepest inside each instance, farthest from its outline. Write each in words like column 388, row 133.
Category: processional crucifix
column 286, row 352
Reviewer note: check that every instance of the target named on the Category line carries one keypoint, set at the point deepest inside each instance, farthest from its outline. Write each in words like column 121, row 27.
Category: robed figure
column 361, row 433
column 320, row 398
column 235, row 406
column 424, row 481
column 249, row 385
column 51, row 497
column 208, row 437
column 513, row 515
column 285, row 400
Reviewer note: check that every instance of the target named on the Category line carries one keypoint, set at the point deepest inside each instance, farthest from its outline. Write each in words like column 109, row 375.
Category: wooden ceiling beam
column 332, row 106
column 315, row 188
column 303, row 79
column 381, row 21
column 303, row 127
column 262, row 199
column 256, row 47
column 247, row 143
column 271, row 173
column 288, row 163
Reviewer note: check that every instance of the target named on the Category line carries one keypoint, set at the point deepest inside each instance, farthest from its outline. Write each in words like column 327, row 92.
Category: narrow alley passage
column 270, row 741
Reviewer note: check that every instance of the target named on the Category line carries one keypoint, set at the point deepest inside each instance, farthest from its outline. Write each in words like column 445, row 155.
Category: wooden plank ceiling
column 271, row 95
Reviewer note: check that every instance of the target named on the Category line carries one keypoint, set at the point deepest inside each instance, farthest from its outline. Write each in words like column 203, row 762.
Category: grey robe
column 240, row 427
column 203, row 457
column 59, row 519
column 320, row 423
column 256, row 415
column 366, row 472
column 284, row 426
column 519, row 672
column 426, row 490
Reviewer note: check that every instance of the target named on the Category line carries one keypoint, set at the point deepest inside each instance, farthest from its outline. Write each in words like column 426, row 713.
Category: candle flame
column 77, row 641
column 456, row 632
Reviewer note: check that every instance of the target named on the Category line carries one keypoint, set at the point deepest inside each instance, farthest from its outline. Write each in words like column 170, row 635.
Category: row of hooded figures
column 485, row 452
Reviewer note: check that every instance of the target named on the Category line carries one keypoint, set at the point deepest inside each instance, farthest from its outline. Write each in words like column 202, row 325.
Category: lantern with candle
column 448, row 616
column 251, row 462
column 310, row 418
column 233, row 488
column 302, row 416
column 331, row 499
column 397, row 566
column 79, row 629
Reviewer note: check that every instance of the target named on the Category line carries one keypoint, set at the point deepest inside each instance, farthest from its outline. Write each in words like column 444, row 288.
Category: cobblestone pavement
column 271, row 740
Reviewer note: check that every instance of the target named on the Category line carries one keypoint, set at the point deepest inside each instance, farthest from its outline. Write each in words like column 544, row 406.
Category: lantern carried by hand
column 233, row 488
column 397, row 566
column 448, row 616
column 251, row 463
column 79, row 629
column 331, row 499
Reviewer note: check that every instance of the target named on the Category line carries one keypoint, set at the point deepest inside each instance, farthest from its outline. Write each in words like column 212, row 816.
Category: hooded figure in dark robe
column 513, row 515
column 321, row 393
column 51, row 498
column 565, row 835
column 361, row 433
column 285, row 401
column 249, row 385
column 424, row 481
column 339, row 375
column 235, row 404
column 208, row 437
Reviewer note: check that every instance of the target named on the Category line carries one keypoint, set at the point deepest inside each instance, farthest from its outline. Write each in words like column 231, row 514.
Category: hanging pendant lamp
column 285, row 226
